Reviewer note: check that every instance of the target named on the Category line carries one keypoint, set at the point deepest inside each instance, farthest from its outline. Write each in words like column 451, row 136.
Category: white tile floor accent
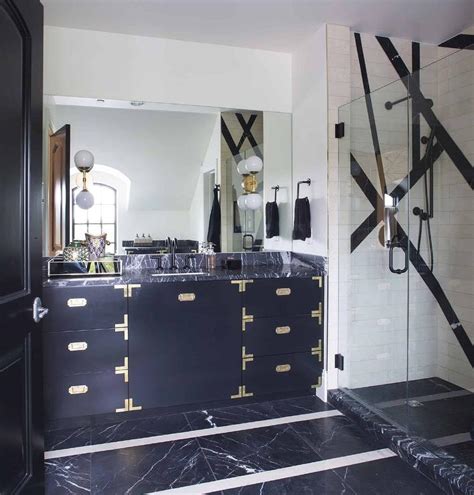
column 137, row 442
column 278, row 474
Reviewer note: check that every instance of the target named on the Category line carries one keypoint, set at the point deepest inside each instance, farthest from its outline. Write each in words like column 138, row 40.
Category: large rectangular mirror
column 194, row 174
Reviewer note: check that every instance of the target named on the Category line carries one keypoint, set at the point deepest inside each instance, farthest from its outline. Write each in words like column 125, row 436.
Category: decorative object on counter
column 84, row 161
column 272, row 216
column 249, row 168
column 302, row 225
column 207, row 248
column 96, row 245
column 247, row 242
column 233, row 264
column 143, row 241
column 59, row 267
column 214, row 230
column 76, row 251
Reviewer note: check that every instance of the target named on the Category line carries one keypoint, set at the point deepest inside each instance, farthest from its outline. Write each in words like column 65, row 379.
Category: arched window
column 100, row 219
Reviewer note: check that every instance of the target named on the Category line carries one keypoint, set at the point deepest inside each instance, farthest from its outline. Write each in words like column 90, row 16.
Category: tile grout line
column 138, row 442
column 281, row 473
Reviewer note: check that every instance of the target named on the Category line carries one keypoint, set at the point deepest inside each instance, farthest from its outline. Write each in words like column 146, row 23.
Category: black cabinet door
column 21, row 100
column 184, row 343
column 77, row 308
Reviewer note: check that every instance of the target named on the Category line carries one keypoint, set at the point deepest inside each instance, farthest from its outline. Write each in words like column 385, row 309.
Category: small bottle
column 210, row 257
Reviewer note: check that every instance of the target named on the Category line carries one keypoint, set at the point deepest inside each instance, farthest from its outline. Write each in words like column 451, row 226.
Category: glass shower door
column 374, row 271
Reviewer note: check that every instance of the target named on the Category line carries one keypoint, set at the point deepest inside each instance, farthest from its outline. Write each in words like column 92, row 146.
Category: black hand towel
column 214, row 231
column 272, row 219
column 302, row 226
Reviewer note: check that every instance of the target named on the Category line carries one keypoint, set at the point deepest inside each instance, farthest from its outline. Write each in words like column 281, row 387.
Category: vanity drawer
column 84, row 395
column 76, row 308
column 282, row 373
column 283, row 334
column 284, row 296
column 83, row 351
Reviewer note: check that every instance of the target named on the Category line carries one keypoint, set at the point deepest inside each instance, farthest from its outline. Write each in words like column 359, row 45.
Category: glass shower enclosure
column 406, row 253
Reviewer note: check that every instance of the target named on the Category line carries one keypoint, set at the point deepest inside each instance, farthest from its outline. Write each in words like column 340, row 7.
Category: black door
column 21, row 74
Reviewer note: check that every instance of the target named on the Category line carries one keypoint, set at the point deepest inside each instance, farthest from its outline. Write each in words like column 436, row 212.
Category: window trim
column 101, row 223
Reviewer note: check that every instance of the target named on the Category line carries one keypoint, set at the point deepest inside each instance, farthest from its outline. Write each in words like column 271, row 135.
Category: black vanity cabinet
column 184, row 343
column 122, row 348
column 85, row 351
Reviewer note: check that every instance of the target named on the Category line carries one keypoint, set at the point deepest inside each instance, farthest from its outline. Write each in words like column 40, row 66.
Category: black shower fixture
column 390, row 104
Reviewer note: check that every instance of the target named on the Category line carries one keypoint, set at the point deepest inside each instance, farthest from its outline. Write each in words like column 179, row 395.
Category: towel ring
column 276, row 189
column 307, row 181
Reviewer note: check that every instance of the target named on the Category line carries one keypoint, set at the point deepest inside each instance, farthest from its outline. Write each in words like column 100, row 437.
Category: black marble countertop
column 153, row 276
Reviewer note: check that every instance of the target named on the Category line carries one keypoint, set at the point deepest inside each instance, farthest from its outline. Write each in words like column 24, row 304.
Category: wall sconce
column 84, row 161
column 249, row 169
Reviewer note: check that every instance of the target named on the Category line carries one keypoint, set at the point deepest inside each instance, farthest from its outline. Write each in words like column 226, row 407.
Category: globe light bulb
column 241, row 203
column 241, row 168
column 84, row 160
column 85, row 199
column 253, row 201
column 253, row 164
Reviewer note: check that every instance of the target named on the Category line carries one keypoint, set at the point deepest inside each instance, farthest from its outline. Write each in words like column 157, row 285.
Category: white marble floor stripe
column 185, row 435
column 452, row 439
column 281, row 473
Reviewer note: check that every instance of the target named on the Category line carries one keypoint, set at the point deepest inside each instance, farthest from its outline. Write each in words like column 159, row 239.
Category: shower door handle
column 395, row 244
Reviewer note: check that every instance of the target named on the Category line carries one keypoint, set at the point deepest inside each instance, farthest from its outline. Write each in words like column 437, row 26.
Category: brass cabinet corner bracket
column 318, row 313
column 317, row 385
column 123, row 370
column 128, row 406
column 241, row 393
column 127, row 289
column 246, row 358
column 318, row 351
column 123, row 327
column 245, row 319
column 242, row 284
column 122, row 287
column 318, row 279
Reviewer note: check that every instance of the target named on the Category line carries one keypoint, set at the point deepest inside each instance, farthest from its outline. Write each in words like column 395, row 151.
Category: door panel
column 59, row 197
column 21, row 99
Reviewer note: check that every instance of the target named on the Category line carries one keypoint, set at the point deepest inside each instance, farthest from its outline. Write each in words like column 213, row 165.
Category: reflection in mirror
column 166, row 172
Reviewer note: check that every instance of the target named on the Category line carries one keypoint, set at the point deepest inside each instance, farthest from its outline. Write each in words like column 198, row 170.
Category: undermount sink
column 174, row 274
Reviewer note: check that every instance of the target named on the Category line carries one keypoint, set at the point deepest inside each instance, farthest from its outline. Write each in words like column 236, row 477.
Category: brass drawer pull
column 77, row 346
column 78, row 389
column 283, row 368
column 282, row 330
column 76, row 302
column 284, row 291
column 189, row 296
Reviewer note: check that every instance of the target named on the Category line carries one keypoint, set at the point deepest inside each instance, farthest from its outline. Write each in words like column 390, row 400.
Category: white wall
column 310, row 135
column 277, row 171
column 110, row 65
column 198, row 221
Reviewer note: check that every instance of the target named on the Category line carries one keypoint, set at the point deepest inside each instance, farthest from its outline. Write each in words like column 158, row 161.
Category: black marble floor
column 222, row 456
column 91, row 434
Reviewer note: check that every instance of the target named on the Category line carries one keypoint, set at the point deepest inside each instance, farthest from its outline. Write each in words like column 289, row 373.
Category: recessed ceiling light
column 135, row 103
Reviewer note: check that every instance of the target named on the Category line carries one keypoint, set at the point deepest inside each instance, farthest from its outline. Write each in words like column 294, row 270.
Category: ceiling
column 267, row 24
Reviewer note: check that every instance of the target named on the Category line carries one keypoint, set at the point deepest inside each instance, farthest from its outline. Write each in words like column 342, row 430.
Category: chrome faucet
column 172, row 245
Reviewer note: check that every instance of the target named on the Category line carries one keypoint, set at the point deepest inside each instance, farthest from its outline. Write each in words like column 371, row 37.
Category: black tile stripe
column 415, row 123
column 461, row 41
column 234, row 149
column 415, row 257
column 370, row 111
column 247, row 134
column 422, row 105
